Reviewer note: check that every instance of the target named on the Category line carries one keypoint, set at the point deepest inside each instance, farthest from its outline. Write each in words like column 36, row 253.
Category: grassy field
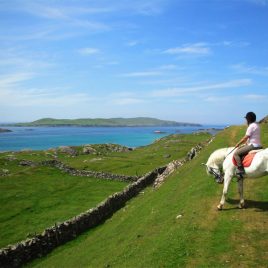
column 36, row 198
column 178, row 225
column 142, row 159
column 33, row 198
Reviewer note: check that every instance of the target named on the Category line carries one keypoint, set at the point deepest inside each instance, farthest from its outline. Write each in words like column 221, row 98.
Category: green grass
column 146, row 232
column 142, row 159
column 33, row 198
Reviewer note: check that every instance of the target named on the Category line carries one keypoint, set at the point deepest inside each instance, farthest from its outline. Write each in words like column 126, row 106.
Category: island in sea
column 102, row 122
column 2, row 130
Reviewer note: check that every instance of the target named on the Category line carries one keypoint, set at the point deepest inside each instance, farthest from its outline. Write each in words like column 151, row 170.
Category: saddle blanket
column 246, row 160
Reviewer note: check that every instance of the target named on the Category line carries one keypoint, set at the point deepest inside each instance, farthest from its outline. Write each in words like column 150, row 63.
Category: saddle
column 248, row 158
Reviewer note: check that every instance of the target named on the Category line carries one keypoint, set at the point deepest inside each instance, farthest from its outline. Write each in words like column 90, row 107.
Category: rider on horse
column 252, row 140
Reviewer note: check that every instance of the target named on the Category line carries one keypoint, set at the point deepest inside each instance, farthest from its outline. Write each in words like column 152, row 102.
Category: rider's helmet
column 251, row 117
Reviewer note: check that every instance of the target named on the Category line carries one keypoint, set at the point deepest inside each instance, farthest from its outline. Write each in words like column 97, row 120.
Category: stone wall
column 42, row 244
column 88, row 173
column 172, row 166
column 59, row 234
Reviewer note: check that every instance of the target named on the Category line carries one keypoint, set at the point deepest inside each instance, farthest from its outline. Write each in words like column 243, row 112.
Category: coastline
column 43, row 138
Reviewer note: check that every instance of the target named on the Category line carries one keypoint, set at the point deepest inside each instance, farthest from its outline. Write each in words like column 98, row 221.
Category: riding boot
column 240, row 171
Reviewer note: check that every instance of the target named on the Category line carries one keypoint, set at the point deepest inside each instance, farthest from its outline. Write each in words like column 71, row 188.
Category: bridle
column 216, row 172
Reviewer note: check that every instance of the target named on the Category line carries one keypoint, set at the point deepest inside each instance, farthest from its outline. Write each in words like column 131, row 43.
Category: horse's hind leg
column 227, row 180
column 241, row 192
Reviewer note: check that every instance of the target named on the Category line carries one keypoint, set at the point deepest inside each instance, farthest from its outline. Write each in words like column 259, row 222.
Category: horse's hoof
column 219, row 207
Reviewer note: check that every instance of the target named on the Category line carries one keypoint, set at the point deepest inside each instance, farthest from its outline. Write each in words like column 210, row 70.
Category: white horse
column 220, row 165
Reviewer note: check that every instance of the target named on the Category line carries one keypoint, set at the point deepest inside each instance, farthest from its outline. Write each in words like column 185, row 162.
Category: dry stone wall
column 42, row 244
column 88, row 173
column 175, row 164
column 59, row 234
column 77, row 172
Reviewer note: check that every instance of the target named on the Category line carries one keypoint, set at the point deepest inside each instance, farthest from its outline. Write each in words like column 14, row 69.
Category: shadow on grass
column 260, row 205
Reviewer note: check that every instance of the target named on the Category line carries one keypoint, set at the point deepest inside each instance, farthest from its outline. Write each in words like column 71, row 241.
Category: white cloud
column 53, row 10
column 57, row 10
column 41, row 33
column 235, row 43
column 71, row 20
column 54, row 97
column 90, row 25
column 11, row 80
column 251, row 97
column 63, row 12
column 157, row 71
column 217, row 98
column 259, row 2
column 172, row 92
column 168, row 67
column 142, row 74
column 14, row 93
column 20, row 61
column 255, row 97
column 141, row 7
column 89, row 51
column 132, row 43
column 190, row 49
column 243, row 68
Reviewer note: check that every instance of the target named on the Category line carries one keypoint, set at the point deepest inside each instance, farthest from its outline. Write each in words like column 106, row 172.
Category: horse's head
column 214, row 164
column 216, row 172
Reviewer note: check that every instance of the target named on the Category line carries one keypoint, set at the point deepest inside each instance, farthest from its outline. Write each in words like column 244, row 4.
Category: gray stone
column 88, row 150
column 166, row 155
column 10, row 157
column 27, row 163
column 4, row 172
column 68, row 150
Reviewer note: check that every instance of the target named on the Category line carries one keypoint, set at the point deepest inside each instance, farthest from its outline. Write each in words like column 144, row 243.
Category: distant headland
column 4, row 130
column 102, row 122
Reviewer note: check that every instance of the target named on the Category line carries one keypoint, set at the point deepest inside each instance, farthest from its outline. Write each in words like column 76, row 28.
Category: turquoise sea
column 39, row 138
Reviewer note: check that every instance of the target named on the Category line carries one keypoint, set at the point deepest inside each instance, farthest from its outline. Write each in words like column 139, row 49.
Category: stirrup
column 239, row 176
column 240, row 170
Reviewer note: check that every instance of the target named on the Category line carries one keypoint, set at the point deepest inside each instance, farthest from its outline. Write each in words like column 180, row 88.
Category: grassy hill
column 178, row 225
column 35, row 197
column 142, row 159
column 111, row 122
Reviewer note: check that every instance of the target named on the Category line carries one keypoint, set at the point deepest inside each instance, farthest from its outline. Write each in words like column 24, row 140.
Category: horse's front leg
column 240, row 190
column 227, row 180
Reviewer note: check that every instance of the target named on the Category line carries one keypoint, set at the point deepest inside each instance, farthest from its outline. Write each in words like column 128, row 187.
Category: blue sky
column 189, row 61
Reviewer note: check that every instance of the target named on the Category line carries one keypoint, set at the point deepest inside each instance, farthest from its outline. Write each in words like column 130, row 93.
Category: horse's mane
column 218, row 156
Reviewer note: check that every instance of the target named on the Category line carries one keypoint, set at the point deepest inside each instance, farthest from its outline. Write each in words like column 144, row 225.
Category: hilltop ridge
column 103, row 122
column 264, row 120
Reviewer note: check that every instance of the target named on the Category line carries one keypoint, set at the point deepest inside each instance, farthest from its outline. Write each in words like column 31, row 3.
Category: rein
column 218, row 177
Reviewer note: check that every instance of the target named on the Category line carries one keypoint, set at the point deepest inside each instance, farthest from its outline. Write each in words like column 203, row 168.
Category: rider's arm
column 242, row 141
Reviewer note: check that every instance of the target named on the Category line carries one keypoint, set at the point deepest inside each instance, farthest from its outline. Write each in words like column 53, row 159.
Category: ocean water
column 40, row 138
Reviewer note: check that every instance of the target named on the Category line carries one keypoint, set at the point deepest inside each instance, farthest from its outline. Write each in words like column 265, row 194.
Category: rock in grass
column 10, row 158
column 27, row 163
column 68, row 150
column 88, row 150
column 4, row 172
column 166, row 155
